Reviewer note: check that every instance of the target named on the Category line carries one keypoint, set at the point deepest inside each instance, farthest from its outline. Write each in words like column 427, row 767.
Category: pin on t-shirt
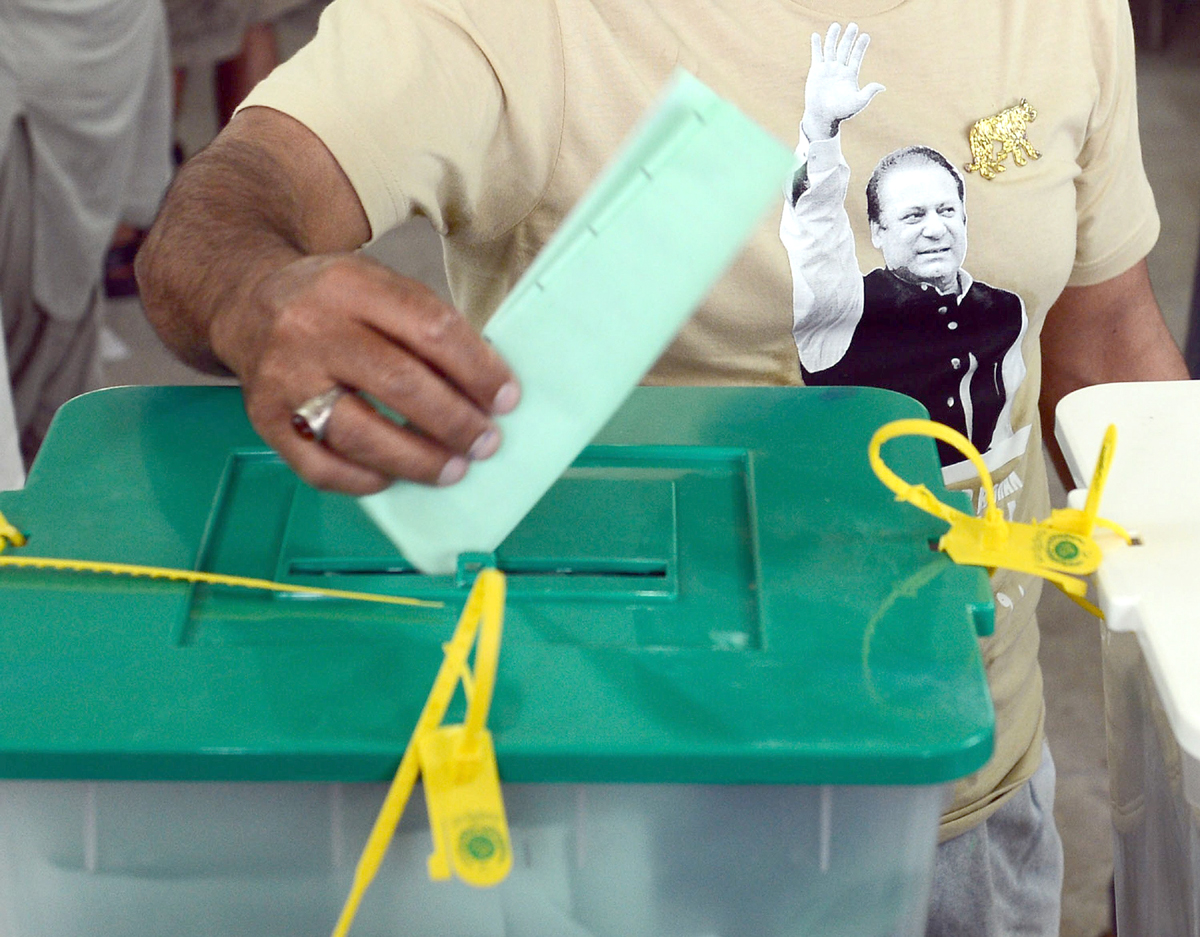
column 1007, row 129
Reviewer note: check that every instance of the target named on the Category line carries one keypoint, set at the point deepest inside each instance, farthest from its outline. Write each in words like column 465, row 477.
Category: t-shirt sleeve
column 450, row 109
column 1117, row 219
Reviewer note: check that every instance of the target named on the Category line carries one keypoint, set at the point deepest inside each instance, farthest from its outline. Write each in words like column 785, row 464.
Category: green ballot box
column 734, row 686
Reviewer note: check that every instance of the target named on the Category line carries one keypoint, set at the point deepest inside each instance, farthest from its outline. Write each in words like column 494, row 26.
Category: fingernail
column 452, row 471
column 486, row 445
column 507, row 398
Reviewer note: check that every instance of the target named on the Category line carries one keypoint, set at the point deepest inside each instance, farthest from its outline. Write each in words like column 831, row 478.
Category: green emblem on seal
column 481, row 844
column 1064, row 549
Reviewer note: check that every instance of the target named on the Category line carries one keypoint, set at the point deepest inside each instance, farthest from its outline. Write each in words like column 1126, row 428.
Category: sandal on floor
column 119, row 281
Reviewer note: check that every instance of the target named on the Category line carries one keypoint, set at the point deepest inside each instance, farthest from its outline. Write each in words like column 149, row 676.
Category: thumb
column 869, row 91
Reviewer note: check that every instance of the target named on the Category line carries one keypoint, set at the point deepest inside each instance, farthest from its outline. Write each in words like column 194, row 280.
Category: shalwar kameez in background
column 85, row 129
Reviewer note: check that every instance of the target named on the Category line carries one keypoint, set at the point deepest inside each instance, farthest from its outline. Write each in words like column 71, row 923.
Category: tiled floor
column 1170, row 108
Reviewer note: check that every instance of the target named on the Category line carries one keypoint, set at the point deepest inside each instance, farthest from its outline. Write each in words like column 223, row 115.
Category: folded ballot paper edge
column 596, row 309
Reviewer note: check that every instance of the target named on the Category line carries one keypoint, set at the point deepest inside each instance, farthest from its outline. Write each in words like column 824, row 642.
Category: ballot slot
column 658, row 542
column 396, row 566
column 588, row 536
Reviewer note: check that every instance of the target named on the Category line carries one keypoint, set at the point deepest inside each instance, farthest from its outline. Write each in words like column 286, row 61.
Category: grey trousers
column 1004, row 877
column 50, row 360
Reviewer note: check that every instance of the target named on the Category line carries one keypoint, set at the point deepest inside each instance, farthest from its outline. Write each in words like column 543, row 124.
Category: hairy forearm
column 1104, row 334
column 263, row 195
column 225, row 224
column 252, row 268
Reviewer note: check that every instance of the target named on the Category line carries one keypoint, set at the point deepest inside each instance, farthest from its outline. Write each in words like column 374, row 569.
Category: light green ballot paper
column 596, row 309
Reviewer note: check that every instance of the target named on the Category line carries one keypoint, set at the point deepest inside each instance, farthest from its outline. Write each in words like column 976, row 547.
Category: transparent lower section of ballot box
column 1155, row 790
column 111, row 859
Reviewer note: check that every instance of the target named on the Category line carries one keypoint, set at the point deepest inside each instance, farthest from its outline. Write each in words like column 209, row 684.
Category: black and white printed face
column 922, row 227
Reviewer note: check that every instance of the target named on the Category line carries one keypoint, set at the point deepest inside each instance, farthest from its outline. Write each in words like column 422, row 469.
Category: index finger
column 831, row 41
column 846, row 43
column 858, row 51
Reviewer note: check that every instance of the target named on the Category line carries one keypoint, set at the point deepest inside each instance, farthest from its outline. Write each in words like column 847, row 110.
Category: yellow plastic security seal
column 10, row 535
column 1059, row 548
column 457, row 762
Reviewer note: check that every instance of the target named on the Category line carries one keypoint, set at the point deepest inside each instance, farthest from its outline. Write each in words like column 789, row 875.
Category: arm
column 827, row 297
column 827, row 287
column 249, row 270
column 1106, row 333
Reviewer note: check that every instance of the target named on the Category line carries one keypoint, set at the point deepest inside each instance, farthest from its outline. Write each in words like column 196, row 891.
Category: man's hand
column 249, row 270
column 831, row 93
column 347, row 320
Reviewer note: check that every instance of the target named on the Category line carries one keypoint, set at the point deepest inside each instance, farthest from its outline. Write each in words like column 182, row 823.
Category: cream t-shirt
column 491, row 119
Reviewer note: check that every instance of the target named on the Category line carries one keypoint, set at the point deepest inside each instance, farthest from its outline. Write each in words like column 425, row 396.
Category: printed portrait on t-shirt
column 918, row 323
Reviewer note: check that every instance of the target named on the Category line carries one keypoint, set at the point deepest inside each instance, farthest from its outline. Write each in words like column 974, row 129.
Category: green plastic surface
column 596, row 310
column 718, row 591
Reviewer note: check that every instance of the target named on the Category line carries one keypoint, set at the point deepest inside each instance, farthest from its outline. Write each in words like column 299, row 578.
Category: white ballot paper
column 596, row 309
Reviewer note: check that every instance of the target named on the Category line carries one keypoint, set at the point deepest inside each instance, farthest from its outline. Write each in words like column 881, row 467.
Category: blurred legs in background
column 84, row 144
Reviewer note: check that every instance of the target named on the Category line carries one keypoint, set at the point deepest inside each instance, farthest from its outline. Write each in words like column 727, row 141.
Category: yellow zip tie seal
column 458, row 763
column 11, row 535
column 462, row 786
column 1059, row 548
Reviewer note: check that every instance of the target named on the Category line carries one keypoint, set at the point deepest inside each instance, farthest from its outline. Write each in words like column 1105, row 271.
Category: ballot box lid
column 718, row 590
